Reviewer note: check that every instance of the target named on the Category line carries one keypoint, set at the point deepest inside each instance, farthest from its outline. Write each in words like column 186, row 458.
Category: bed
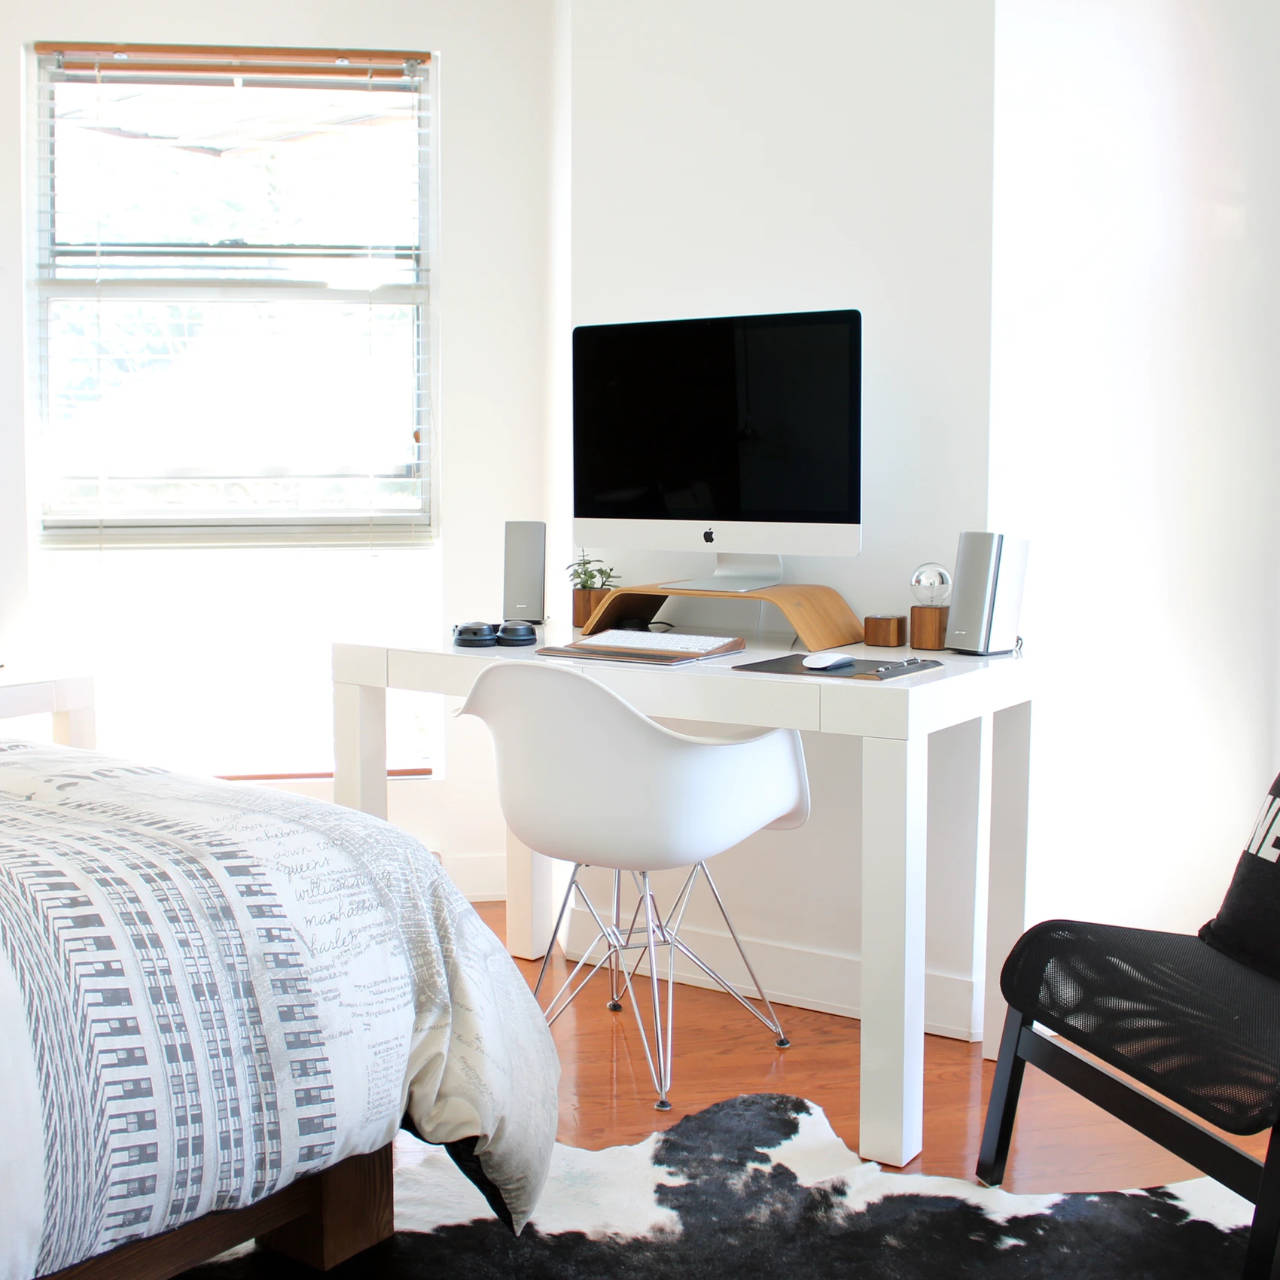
column 218, row 1002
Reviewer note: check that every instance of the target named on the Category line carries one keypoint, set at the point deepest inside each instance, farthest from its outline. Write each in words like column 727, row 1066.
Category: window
column 231, row 295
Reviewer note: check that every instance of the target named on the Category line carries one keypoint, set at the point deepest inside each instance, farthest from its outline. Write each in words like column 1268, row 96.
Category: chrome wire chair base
column 624, row 946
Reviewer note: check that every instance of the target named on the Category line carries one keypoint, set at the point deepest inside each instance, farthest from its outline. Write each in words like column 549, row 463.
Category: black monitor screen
column 738, row 418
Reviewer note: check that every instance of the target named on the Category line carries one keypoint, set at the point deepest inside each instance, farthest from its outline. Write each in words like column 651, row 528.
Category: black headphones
column 483, row 635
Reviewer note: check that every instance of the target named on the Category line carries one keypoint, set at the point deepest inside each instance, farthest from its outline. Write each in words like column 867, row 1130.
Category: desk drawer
column 452, row 674
column 719, row 696
column 27, row 699
column 713, row 696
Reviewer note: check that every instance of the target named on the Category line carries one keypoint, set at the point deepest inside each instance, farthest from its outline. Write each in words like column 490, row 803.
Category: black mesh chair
column 1196, row 1019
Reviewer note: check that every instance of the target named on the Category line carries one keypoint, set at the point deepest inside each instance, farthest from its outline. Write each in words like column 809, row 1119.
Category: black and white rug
column 761, row 1186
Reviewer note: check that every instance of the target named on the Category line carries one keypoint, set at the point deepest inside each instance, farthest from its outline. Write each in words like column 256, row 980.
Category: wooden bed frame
column 320, row 1220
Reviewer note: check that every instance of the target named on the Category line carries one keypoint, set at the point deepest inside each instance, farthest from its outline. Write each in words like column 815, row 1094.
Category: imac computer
column 739, row 435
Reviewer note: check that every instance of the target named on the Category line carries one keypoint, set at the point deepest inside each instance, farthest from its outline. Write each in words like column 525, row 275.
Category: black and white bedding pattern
column 207, row 990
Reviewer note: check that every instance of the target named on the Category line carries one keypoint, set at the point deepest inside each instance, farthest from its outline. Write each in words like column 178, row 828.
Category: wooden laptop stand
column 819, row 616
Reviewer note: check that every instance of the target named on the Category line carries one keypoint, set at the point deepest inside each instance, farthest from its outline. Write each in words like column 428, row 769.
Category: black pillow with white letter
column 1247, row 926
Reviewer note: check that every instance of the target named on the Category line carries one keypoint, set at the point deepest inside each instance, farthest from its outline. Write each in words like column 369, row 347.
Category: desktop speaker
column 524, row 571
column 986, row 593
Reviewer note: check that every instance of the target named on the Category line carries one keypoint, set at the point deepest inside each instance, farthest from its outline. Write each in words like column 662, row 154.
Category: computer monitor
column 739, row 435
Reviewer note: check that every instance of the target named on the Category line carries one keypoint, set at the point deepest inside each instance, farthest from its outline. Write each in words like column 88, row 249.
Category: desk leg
column 895, row 776
column 535, row 889
column 360, row 747
column 73, row 722
column 1007, row 905
column 980, row 851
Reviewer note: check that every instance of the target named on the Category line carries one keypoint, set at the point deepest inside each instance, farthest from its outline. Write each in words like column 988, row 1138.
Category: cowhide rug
column 761, row 1186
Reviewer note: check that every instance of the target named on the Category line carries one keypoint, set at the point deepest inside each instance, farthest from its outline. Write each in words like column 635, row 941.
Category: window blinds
column 232, row 277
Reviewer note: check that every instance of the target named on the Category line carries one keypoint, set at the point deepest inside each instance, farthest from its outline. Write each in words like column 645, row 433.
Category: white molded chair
column 585, row 777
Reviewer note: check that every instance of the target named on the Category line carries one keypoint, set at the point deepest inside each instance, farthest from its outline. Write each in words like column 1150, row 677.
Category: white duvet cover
column 208, row 990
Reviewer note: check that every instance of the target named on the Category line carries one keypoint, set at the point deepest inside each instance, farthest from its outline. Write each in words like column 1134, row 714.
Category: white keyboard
column 657, row 641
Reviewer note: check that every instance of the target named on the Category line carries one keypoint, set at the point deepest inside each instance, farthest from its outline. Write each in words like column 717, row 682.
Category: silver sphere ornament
column 931, row 584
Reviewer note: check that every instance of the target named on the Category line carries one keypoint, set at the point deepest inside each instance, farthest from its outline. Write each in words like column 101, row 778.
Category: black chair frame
column 1256, row 1180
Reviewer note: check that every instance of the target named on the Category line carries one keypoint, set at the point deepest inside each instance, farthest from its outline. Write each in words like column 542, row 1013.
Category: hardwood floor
column 1060, row 1142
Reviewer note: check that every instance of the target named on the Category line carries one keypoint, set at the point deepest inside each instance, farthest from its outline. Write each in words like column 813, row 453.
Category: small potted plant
column 591, row 582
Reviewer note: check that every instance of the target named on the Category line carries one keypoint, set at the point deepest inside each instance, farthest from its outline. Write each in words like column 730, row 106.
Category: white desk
column 893, row 720
column 26, row 690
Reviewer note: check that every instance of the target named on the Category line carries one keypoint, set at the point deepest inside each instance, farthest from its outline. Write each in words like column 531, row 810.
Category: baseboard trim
column 482, row 877
column 805, row 977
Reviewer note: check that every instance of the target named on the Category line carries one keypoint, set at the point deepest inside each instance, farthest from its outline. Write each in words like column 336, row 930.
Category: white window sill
column 354, row 531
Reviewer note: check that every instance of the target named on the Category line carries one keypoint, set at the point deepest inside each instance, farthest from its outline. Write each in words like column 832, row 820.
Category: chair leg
column 662, row 1041
column 615, row 966
column 1260, row 1260
column 771, row 1021
column 620, row 940
column 614, row 947
column 555, row 932
column 1003, row 1103
column 609, row 931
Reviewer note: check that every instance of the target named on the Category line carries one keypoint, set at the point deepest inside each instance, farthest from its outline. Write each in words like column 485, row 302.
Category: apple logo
column 709, row 536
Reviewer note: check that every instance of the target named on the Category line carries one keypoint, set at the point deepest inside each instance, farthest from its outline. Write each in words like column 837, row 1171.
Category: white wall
column 490, row 295
column 1133, row 435
column 736, row 156
column 13, row 507
column 489, row 300
column 727, row 158
column 732, row 155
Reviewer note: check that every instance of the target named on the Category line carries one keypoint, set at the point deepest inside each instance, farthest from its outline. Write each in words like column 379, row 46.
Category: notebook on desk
column 666, row 648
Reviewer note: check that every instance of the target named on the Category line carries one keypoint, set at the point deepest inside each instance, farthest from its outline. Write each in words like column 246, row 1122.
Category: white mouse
column 826, row 661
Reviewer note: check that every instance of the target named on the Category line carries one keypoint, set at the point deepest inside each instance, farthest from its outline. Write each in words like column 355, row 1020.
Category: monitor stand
column 736, row 571
column 820, row 616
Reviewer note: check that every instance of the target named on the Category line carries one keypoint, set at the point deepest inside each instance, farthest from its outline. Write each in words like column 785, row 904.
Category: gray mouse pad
column 792, row 664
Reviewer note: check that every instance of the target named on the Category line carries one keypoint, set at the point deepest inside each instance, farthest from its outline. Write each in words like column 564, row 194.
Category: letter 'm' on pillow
column 1247, row 926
